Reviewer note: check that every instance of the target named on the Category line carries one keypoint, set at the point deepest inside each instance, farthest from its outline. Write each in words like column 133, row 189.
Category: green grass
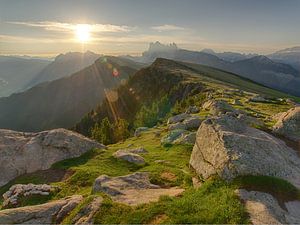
column 213, row 203
column 279, row 188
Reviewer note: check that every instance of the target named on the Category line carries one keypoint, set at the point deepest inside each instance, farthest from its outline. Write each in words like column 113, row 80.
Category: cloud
column 66, row 27
column 167, row 27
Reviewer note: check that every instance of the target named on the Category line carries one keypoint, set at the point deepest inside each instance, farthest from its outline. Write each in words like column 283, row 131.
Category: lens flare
column 83, row 32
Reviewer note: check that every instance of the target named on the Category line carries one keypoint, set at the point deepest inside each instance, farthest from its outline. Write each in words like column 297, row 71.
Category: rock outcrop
column 263, row 208
column 12, row 196
column 133, row 189
column 48, row 213
column 229, row 148
column 178, row 118
column 129, row 157
column 217, row 107
column 86, row 214
column 288, row 124
column 22, row 153
column 190, row 123
column 172, row 136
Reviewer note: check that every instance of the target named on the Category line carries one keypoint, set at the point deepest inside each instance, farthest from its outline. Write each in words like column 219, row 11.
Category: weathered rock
column 132, row 189
column 87, row 213
column 12, row 196
column 258, row 98
column 217, row 107
column 177, row 126
column 190, row 123
column 178, row 118
column 192, row 109
column 139, row 130
column 249, row 120
column 263, row 208
column 22, row 153
column 48, row 213
column 172, row 136
column 189, row 138
column 229, row 148
column 288, row 124
column 236, row 102
column 129, row 157
column 139, row 150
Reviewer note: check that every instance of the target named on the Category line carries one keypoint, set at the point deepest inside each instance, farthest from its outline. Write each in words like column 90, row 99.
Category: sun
column 83, row 32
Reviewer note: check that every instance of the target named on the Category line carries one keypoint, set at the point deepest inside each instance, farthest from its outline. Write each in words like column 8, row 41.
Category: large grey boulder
column 288, row 124
column 22, row 153
column 132, row 189
column 188, row 138
column 217, row 107
column 229, row 148
column 190, row 123
column 172, row 136
column 48, row 213
column 129, row 157
column 263, row 208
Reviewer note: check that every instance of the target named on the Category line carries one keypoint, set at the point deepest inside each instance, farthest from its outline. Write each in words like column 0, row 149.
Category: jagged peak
column 157, row 46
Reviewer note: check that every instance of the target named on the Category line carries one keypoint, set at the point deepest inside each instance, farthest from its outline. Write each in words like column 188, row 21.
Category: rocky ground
column 232, row 159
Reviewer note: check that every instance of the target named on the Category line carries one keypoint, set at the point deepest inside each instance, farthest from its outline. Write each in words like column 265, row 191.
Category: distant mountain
column 229, row 56
column 63, row 102
column 289, row 56
column 258, row 68
column 15, row 73
column 64, row 65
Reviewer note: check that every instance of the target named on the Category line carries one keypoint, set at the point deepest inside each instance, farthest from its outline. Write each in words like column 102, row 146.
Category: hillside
column 176, row 80
column 15, row 73
column 160, row 177
column 63, row 102
column 260, row 69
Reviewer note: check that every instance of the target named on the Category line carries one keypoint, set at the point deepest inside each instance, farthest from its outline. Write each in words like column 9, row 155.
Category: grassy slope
column 236, row 81
column 214, row 202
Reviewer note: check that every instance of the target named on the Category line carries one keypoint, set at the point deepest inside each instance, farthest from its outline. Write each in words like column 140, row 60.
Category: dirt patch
column 142, row 196
column 168, row 176
column 52, row 175
column 159, row 219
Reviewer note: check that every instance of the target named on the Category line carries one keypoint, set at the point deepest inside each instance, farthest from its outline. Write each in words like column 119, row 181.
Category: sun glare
column 83, row 32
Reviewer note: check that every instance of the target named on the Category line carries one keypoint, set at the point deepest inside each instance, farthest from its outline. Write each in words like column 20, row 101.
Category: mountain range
column 63, row 102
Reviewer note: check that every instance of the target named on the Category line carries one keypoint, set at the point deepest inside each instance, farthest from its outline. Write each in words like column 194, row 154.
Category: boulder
column 132, row 189
column 190, row 123
column 22, row 153
column 258, row 98
column 129, row 157
column 192, row 109
column 288, row 124
column 217, row 107
column 178, row 118
column 229, row 148
column 17, row 191
column 86, row 214
column 250, row 121
column 172, row 136
column 139, row 130
column 263, row 208
column 48, row 213
column 188, row 138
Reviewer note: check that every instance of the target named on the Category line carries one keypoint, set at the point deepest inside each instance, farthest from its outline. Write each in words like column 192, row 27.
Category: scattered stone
column 196, row 182
column 217, row 107
column 250, row 121
column 190, row 123
column 177, row 126
column 49, row 213
column 138, row 151
column 17, row 191
column 87, row 213
column 229, row 148
column 288, row 124
column 178, row 118
column 133, row 189
column 263, row 208
column 192, row 109
column 139, row 130
column 22, row 153
column 129, row 157
column 172, row 136
column 188, row 138
column 258, row 98
column 236, row 102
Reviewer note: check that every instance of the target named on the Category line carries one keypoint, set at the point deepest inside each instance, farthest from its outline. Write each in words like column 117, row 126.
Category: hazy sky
column 48, row 27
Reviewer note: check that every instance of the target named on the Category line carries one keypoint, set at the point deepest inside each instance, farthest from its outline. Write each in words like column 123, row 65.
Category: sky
column 50, row 27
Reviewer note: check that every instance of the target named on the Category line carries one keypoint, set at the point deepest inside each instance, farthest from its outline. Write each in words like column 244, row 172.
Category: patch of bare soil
column 168, row 176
